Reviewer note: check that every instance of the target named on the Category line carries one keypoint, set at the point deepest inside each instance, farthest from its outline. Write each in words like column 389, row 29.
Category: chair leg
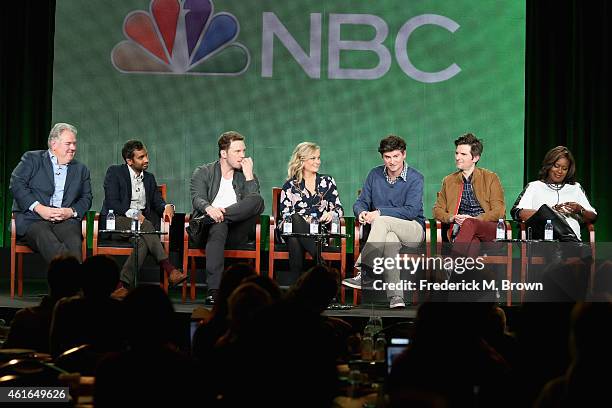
column 12, row 274
column 342, row 276
column 184, row 292
column 509, row 274
column 185, row 268
column 20, row 275
column 163, row 280
column 192, row 286
column 271, row 266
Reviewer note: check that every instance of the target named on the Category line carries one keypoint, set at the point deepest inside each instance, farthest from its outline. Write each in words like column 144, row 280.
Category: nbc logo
column 181, row 37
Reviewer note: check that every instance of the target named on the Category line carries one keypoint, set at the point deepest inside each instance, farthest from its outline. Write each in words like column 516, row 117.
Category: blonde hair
column 302, row 152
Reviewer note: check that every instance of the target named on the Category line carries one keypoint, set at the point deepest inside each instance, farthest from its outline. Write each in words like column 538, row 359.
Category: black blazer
column 32, row 180
column 118, row 195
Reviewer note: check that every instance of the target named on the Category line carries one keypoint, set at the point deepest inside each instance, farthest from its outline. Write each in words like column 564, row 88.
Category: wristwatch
column 74, row 213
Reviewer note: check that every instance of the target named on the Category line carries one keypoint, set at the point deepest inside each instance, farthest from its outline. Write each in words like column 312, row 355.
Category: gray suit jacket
column 205, row 183
column 32, row 180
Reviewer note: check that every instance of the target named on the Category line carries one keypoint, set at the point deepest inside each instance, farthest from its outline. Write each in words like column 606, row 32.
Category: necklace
column 554, row 186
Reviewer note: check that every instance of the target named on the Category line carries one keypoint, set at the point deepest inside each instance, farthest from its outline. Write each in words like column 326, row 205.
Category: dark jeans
column 50, row 239
column 238, row 221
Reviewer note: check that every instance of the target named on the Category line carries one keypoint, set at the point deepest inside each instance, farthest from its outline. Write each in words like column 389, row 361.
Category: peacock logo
column 181, row 37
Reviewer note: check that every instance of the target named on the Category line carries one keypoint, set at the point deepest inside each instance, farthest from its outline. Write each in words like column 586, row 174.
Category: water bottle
column 367, row 348
column 135, row 224
column 380, row 348
column 287, row 224
column 375, row 324
column 314, row 223
column 548, row 231
column 354, row 379
column 335, row 223
column 110, row 220
column 501, row 229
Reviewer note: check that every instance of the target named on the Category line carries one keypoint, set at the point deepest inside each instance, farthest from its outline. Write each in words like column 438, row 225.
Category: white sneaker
column 354, row 282
column 396, row 301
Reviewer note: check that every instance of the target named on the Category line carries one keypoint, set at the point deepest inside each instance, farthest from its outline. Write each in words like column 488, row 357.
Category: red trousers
column 474, row 230
column 471, row 233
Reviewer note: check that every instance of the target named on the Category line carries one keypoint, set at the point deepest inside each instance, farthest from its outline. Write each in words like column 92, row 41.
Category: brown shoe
column 177, row 277
column 119, row 293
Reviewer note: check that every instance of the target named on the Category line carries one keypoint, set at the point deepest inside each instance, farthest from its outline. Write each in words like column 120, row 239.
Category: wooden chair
column 505, row 259
column 359, row 234
column 102, row 246
column 20, row 247
column 250, row 251
column 280, row 251
column 539, row 260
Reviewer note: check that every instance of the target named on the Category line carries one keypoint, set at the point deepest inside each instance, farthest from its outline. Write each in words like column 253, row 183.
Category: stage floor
column 34, row 289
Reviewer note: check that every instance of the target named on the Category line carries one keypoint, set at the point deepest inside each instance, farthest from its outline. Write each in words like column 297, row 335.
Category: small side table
column 136, row 237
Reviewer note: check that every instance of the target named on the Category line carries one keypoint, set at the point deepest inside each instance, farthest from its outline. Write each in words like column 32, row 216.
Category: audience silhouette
column 30, row 326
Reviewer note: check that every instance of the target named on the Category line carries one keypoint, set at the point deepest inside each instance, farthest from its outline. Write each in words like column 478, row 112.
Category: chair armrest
column 508, row 230
column 272, row 226
column 523, row 230
column 84, row 240
column 258, row 233
column 591, row 228
column 427, row 231
column 356, row 239
column 13, row 229
column 165, row 238
column 84, row 228
column 185, row 235
column 96, row 229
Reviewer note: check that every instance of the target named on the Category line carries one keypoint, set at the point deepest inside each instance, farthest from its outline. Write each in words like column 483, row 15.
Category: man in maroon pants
column 471, row 199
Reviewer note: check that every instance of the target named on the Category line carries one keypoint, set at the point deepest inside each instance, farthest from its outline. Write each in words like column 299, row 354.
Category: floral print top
column 295, row 198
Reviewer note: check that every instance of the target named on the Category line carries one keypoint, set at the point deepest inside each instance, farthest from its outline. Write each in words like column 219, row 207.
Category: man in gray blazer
column 225, row 196
column 52, row 194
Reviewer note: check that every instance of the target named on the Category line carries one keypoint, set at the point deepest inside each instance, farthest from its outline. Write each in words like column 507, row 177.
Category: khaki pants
column 387, row 236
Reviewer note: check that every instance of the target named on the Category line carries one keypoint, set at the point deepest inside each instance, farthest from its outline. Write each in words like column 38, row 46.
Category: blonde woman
column 306, row 191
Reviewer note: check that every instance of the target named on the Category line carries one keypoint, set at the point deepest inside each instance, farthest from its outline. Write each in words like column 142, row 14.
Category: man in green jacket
column 225, row 197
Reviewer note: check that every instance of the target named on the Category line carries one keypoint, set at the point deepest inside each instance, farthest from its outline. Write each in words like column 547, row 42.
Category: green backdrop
column 180, row 116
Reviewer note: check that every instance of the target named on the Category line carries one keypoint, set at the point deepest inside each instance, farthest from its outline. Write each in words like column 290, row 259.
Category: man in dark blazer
column 52, row 194
column 130, row 190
